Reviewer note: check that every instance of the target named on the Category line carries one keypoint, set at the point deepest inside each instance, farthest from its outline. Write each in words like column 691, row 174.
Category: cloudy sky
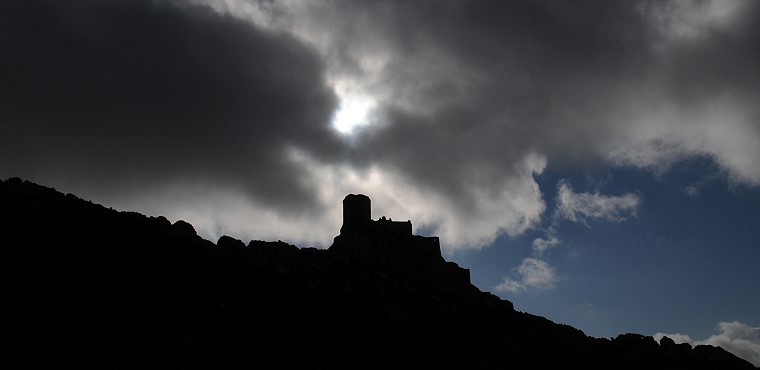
column 595, row 162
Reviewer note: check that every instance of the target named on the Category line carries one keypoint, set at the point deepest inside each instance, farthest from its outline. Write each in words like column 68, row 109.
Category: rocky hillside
column 90, row 287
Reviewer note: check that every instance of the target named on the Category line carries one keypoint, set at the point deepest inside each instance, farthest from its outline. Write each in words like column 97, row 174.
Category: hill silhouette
column 91, row 287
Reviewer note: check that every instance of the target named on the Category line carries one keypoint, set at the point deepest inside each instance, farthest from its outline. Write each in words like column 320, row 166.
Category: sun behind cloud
column 352, row 113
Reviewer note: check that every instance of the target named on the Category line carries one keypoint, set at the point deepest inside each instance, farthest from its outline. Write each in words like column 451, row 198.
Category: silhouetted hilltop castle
column 391, row 244
column 88, row 287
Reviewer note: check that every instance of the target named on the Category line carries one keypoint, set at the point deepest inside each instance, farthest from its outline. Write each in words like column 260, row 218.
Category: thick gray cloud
column 470, row 99
column 486, row 82
column 467, row 89
column 119, row 94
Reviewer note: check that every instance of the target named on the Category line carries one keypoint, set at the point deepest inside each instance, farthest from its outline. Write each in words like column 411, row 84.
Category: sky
column 595, row 162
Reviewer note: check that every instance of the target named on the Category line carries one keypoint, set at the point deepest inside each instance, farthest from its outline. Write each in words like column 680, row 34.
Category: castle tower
column 356, row 211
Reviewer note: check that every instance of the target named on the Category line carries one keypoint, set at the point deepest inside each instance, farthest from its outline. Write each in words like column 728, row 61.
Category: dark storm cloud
column 474, row 86
column 495, row 67
column 467, row 90
column 471, row 99
column 119, row 94
column 471, row 86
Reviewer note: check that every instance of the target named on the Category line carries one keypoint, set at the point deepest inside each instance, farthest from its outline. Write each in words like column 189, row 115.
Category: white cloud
column 531, row 274
column 676, row 337
column 738, row 338
column 725, row 129
column 541, row 245
column 514, row 208
column 580, row 207
column 535, row 273
column 216, row 210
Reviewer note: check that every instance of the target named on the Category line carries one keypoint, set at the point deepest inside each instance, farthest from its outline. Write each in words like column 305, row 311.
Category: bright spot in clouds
column 352, row 113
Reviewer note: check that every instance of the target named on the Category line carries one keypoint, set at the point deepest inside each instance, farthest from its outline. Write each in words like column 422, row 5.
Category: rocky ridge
column 91, row 287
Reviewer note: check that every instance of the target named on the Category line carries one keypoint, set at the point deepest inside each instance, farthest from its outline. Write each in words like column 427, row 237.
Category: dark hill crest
column 91, row 287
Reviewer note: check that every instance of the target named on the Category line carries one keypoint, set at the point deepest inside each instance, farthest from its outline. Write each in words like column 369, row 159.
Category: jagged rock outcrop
column 90, row 287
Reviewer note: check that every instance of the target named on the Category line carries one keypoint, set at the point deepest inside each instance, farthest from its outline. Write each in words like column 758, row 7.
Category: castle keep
column 391, row 243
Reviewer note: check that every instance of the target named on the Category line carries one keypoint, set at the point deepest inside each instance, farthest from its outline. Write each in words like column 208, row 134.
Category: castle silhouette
column 392, row 244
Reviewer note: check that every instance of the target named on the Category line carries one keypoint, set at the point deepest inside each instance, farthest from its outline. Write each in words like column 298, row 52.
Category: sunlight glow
column 352, row 113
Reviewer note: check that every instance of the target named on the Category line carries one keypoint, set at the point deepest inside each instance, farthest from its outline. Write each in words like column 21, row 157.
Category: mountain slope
column 91, row 287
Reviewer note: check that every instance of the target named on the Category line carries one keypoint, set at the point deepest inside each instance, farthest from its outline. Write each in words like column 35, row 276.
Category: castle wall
column 401, row 228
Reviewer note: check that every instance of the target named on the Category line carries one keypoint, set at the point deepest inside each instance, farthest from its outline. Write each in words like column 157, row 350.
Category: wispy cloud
column 581, row 207
column 736, row 337
column 535, row 272
column 540, row 245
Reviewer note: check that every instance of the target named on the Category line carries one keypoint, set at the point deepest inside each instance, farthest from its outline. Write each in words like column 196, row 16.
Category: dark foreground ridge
column 91, row 287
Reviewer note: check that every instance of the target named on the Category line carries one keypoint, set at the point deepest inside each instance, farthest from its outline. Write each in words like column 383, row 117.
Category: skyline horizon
column 595, row 162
